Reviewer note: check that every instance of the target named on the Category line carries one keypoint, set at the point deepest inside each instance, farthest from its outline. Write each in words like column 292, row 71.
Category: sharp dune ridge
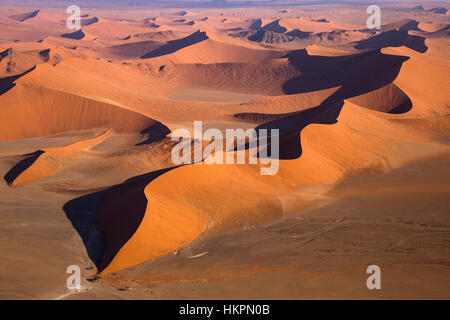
column 87, row 117
column 25, row 16
column 399, row 103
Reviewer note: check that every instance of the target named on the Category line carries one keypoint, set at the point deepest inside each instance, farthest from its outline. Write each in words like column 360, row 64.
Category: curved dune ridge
column 76, row 35
column 46, row 162
column 212, row 51
column 308, row 138
column 131, row 50
column 195, row 48
column 88, row 21
column 432, row 27
column 203, row 207
column 13, row 62
column 389, row 98
column 25, row 16
column 275, row 26
column 394, row 38
column 346, row 101
column 30, row 111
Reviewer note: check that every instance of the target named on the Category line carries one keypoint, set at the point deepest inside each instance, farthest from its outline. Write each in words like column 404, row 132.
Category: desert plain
column 86, row 118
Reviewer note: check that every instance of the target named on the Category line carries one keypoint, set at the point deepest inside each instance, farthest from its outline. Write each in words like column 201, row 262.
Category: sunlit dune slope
column 29, row 111
column 47, row 161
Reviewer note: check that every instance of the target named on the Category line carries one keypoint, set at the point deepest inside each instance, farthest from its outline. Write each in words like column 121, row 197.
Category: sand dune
column 373, row 95
column 420, row 77
column 32, row 111
column 25, row 16
column 86, row 118
column 76, row 35
column 394, row 38
column 111, row 29
column 432, row 27
column 219, row 214
column 388, row 99
column 175, row 45
column 403, row 25
column 317, row 50
column 88, row 21
column 46, row 162
column 130, row 50
column 13, row 62
column 211, row 51
column 438, row 10
column 275, row 26
column 265, row 36
column 256, row 24
column 318, row 73
column 309, row 25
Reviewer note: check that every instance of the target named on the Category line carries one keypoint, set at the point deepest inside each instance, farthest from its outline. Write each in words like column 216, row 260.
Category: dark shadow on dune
column 393, row 38
column 7, row 83
column 443, row 33
column 355, row 74
column 439, row 10
column 25, row 16
column 120, row 212
column 403, row 108
column 291, row 125
column 45, row 54
column 77, row 35
column 175, row 45
column 275, row 26
column 81, row 212
column 107, row 219
column 155, row 133
column 256, row 24
column 21, row 166
column 411, row 25
column 403, row 25
column 298, row 34
column 133, row 49
column 89, row 21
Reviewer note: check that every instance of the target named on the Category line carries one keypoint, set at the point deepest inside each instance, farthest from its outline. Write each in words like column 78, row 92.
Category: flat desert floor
column 87, row 124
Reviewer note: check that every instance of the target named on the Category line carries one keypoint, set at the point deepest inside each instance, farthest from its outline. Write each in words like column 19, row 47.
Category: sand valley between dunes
column 86, row 118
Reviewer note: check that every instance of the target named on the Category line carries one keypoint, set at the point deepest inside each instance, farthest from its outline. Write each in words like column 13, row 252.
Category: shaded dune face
column 7, row 83
column 355, row 74
column 394, row 38
column 350, row 73
column 88, row 21
column 41, row 112
column 46, row 162
column 131, row 50
column 175, row 45
column 25, row 16
column 404, row 25
column 390, row 99
column 76, row 35
column 22, row 166
column 323, row 136
column 248, row 77
column 151, row 235
column 116, row 220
